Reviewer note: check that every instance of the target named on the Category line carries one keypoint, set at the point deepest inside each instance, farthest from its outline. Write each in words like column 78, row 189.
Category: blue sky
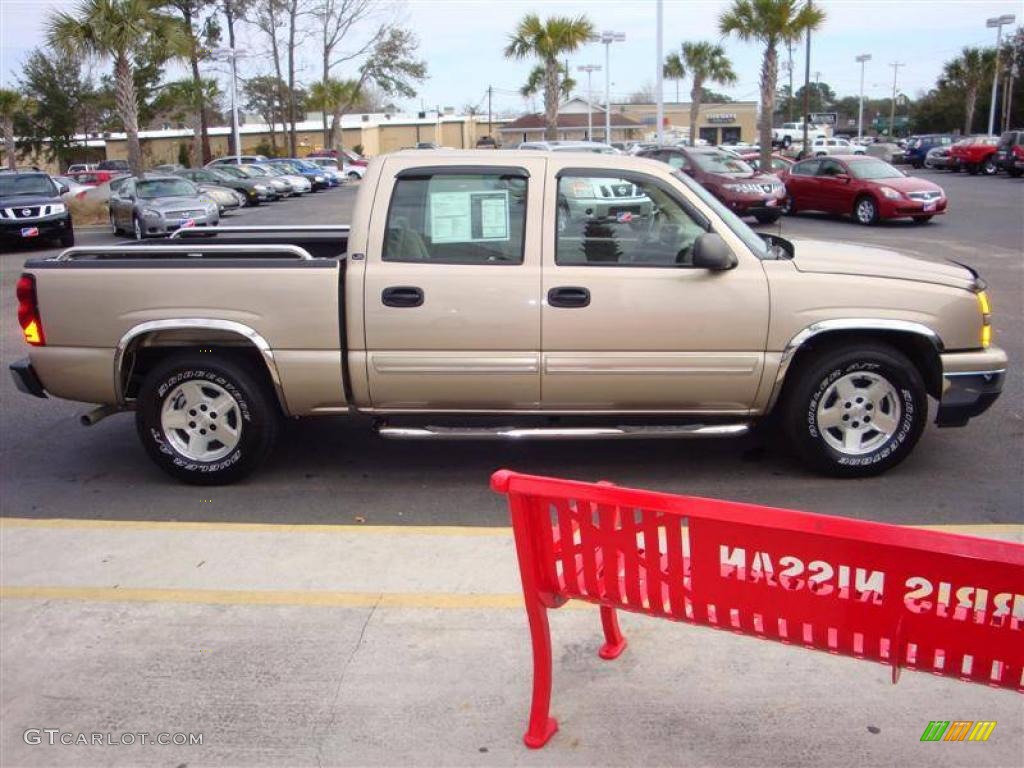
column 462, row 42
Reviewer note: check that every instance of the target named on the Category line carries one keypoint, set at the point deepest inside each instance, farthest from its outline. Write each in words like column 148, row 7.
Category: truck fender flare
column 136, row 333
column 845, row 324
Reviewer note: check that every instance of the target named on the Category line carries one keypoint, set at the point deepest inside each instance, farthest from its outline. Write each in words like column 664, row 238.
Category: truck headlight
column 986, row 319
column 57, row 208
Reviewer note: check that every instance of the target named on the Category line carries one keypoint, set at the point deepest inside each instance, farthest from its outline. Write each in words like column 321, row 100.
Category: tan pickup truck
column 489, row 294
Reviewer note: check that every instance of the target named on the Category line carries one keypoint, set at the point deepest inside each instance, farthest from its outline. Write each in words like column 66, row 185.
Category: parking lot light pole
column 232, row 54
column 606, row 38
column 998, row 22
column 660, row 75
column 589, row 68
column 864, row 57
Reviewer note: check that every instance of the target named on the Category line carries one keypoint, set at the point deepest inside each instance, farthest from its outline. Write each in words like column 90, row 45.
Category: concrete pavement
column 349, row 645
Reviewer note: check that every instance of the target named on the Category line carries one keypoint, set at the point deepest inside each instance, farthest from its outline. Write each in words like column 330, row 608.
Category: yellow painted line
column 153, row 525
column 981, row 529
column 272, row 597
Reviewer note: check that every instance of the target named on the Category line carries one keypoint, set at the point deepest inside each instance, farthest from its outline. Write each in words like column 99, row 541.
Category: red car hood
column 906, row 184
column 851, row 259
column 743, row 178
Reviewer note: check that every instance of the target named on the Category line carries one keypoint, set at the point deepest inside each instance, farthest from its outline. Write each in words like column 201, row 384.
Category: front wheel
column 204, row 420
column 137, row 230
column 787, row 206
column 989, row 167
column 865, row 211
column 856, row 411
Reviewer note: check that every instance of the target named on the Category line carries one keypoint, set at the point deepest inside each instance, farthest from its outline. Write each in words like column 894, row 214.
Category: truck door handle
column 402, row 296
column 569, row 297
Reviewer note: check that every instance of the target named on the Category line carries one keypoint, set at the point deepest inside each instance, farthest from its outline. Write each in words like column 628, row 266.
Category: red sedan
column 975, row 153
column 779, row 163
column 867, row 188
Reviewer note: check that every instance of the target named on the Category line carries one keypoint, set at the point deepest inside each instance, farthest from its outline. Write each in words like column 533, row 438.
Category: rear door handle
column 402, row 296
column 569, row 297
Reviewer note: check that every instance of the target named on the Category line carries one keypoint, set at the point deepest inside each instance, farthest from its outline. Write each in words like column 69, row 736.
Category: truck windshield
column 13, row 185
column 164, row 188
column 734, row 222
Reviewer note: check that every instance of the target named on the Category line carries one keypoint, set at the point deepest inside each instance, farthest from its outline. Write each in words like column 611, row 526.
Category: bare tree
column 267, row 17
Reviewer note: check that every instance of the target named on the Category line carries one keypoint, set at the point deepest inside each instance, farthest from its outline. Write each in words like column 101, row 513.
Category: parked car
column 313, row 172
column 316, row 178
column 31, row 209
column 234, row 160
column 155, row 206
column 300, row 184
column 863, row 187
column 93, row 178
column 918, row 147
column 1006, row 159
column 743, row 190
column 348, row 156
column 256, row 172
column 975, row 154
column 486, row 142
column 168, row 168
column 76, row 167
column 254, row 192
column 937, row 158
column 886, row 151
column 119, row 166
column 72, row 188
column 226, row 198
column 834, row 146
column 779, row 163
column 695, row 327
column 595, row 147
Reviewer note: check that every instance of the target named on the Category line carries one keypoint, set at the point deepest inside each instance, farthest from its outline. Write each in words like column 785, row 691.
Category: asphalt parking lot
column 334, row 470
column 357, row 601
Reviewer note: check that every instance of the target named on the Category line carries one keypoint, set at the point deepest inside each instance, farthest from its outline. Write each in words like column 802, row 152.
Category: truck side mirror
column 711, row 252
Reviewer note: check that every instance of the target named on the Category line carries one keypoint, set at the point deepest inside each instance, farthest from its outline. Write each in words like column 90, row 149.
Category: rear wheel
column 989, row 167
column 855, row 411
column 204, row 420
column 787, row 206
column 865, row 210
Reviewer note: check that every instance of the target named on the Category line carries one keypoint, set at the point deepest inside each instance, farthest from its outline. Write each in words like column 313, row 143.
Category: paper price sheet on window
column 469, row 217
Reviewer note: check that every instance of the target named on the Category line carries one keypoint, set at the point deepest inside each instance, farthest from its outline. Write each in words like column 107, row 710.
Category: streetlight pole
column 606, row 38
column 864, row 57
column 588, row 68
column 232, row 54
column 892, row 108
column 998, row 22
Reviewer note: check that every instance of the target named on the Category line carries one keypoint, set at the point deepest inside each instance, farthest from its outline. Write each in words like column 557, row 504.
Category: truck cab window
column 456, row 219
column 622, row 222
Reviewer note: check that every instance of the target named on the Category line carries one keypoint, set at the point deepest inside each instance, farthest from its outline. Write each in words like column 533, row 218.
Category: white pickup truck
column 511, row 295
column 790, row 133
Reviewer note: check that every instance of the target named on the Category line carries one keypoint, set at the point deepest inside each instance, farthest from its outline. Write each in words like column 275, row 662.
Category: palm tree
column 184, row 100
column 115, row 29
column 770, row 22
column 535, row 82
column 707, row 63
column 334, row 97
column 967, row 73
column 11, row 103
column 674, row 69
column 548, row 41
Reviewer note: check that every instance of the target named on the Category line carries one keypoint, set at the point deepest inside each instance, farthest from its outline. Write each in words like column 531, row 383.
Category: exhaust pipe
column 98, row 414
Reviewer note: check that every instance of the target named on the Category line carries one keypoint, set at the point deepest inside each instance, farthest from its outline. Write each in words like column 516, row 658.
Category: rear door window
column 475, row 218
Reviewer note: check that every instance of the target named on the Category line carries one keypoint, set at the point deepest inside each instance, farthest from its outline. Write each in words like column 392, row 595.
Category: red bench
column 937, row 602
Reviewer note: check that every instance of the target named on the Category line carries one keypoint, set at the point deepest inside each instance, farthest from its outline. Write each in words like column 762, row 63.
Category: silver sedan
column 156, row 206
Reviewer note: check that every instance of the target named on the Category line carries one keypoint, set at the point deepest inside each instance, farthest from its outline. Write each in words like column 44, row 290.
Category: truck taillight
column 28, row 311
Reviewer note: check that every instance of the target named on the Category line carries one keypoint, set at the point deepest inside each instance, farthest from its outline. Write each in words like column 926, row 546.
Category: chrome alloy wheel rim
column 201, row 421
column 865, row 210
column 859, row 413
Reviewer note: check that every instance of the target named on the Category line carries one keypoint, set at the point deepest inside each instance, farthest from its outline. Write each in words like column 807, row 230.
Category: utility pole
column 232, row 54
column 892, row 107
column 862, row 59
column 807, row 95
column 589, row 68
column 660, row 73
column 998, row 22
column 789, row 69
column 490, row 129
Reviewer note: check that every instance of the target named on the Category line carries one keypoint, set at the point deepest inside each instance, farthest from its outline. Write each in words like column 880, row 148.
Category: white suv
column 822, row 147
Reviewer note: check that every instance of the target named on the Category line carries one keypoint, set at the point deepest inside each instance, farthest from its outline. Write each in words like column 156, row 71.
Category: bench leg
column 614, row 642
column 542, row 726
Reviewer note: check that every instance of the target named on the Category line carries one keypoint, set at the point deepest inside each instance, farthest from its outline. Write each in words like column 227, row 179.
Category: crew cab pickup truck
column 457, row 304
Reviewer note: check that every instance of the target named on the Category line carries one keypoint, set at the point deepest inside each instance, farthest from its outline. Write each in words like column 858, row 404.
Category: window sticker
column 469, row 217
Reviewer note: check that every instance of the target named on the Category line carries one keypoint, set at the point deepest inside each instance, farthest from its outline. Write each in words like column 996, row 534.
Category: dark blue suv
column 918, row 146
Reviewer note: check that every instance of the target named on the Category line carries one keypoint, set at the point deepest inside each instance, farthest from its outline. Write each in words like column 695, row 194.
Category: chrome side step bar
column 565, row 433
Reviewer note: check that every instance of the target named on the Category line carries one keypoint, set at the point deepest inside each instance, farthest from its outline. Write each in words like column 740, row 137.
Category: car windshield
column 872, row 169
column 242, row 171
column 734, row 222
column 13, row 185
column 219, row 173
column 721, row 162
column 164, row 188
column 266, row 170
column 286, row 168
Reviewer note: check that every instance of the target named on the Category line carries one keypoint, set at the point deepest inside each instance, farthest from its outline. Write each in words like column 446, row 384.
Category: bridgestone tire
column 815, row 377
column 256, row 410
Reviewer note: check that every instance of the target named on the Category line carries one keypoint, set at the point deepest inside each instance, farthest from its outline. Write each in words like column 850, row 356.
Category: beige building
column 716, row 123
